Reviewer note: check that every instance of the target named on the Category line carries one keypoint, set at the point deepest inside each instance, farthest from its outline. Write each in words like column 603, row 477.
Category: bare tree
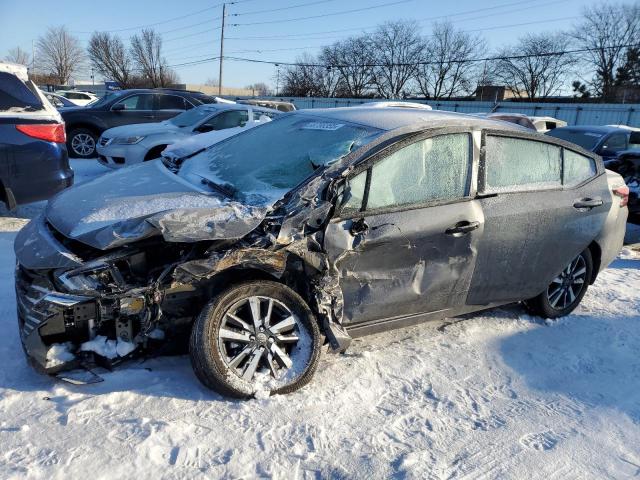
column 110, row 58
column 535, row 66
column 353, row 59
column 211, row 82
column 398, row 48
column 146, row 52
column 261, row 89
column 446, row 70
column 59, row 54
column 304, row 79
column 18, row 55
column 606, row 30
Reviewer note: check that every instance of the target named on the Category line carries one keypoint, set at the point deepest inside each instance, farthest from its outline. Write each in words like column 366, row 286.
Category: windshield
column 271, row 159
column 587, row 140
column 98, row 102
column 191, row 117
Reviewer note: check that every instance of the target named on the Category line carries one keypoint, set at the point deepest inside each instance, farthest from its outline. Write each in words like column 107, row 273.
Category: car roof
column 603, row 129
column 397, row 117
column 213, row 107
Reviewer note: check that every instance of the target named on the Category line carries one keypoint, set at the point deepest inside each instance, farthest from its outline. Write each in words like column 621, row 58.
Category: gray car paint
column 353, row 278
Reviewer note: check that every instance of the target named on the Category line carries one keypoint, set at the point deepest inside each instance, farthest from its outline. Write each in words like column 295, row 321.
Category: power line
column 290, row 7
column 192, row 25
column 323, row 15
column 138, row 27
column 192, row 34
column 467, row 60
column 426, row 19
column 495, row 27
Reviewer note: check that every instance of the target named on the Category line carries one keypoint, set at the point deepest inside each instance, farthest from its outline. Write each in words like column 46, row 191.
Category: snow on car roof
column 392, row 118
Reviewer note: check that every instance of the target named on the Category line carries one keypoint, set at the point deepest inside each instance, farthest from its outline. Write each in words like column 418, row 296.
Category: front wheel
column 565, row 292
column 256, row 338
column 81, row 143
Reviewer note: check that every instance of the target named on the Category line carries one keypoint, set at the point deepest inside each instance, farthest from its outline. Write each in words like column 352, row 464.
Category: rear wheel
column 565, row 292
column 256, row 338
column 81, row 143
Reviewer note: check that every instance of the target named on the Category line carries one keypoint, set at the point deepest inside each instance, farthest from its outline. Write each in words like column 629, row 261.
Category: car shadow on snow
column 590, row 358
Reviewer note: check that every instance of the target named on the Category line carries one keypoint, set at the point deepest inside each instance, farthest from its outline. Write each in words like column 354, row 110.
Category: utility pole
column 224, row 14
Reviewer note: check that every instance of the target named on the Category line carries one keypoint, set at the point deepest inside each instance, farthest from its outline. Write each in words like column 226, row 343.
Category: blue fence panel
column 572, row 113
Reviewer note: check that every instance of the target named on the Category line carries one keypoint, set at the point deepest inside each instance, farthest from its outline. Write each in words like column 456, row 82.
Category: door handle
column 588, row 203
column 148, row 116
column 358, row 226
column 462, row 228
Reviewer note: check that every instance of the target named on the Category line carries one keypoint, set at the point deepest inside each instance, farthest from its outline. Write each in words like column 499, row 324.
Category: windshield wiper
column 223, row 189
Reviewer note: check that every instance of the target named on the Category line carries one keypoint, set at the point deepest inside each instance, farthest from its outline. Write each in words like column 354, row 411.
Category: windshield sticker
column 322, row 126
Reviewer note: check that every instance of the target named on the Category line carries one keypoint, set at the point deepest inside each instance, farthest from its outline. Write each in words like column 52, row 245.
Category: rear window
column 587, row 140
column 577, row 168
column 16, row 95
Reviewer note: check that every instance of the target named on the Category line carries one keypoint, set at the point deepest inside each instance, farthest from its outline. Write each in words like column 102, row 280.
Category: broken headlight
column 92, row 277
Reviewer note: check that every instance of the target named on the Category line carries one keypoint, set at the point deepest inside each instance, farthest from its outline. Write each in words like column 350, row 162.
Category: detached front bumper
column 44, row 313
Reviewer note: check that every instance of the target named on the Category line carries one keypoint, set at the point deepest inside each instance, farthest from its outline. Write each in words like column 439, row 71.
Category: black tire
column 81, row 143
column 208, row 351
column 542, row 304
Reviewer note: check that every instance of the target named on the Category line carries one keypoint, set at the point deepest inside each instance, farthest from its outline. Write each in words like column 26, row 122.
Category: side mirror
column 118, row 107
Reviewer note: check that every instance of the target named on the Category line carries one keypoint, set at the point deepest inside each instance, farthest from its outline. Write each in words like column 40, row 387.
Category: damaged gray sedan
column 317, row 227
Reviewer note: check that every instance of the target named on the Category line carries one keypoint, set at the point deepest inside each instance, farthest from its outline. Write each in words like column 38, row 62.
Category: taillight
column 623, row 193
column 49, row 132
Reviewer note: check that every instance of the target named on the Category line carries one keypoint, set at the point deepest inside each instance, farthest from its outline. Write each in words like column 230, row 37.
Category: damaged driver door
column 404, row 238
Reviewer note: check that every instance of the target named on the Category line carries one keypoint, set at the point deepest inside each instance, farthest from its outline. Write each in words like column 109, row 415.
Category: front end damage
column 91, row 307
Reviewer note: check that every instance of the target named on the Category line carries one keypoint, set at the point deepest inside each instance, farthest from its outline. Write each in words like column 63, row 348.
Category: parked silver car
column 132, row 144
column 321, row 224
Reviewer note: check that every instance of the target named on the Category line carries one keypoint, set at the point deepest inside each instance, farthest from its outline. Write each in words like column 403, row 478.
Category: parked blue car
column 605, row 140
column 33, row 157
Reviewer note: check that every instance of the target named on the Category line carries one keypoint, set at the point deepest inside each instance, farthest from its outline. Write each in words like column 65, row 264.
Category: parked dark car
column 86, row 124
column 319, row 224
column 33, row 157
column 606, row 141
column 627, row 164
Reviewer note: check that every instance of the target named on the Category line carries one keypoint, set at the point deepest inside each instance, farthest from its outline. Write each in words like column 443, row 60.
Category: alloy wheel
column 83, row 144
column 258, row 335
column 566, row 287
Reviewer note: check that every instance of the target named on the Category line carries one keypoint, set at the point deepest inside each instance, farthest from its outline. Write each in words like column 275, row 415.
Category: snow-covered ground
column 495, row 395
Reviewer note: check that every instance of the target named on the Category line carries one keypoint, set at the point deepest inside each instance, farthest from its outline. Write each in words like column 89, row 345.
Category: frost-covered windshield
column 193, row 116
column 587, row 140
column 277, row 156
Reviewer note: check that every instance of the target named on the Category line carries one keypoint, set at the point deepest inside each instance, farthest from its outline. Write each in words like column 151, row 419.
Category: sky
column 275, row 30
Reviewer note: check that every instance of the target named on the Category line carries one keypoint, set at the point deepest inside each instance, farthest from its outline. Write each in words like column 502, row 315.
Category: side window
column 138, row 102
column 515, row 164
column 229, row 119
column 634, row 141
column 355, row 193
column 615, row 143
column 432, row 169
column 170, row 102
column 577, row 168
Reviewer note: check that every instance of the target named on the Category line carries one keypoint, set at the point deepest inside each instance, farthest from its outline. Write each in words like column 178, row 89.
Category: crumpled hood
column 147, row 200
column 141, row 129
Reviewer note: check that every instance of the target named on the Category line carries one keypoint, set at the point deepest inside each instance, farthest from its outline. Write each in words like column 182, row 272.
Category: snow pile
column 59, row 353
column 108, row 348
